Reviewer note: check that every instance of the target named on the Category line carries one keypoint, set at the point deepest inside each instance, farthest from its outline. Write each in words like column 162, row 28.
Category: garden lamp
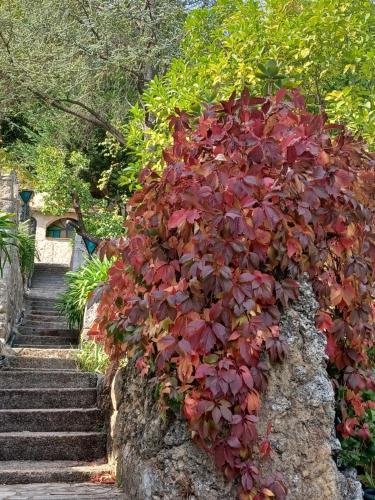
column 25, row 196
column 90, row 246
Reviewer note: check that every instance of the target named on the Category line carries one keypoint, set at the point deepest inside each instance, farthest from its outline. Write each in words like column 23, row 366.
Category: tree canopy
column 70, row 72
column 325, row 47
column 87, row 58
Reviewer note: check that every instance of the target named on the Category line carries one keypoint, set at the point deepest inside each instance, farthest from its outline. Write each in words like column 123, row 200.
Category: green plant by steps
column 8, row 238
column 26, row 248
column 358, row 452
column 80, row 284
column 91, row 357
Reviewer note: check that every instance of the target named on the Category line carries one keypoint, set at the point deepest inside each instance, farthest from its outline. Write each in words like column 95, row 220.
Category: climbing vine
column 255, row 192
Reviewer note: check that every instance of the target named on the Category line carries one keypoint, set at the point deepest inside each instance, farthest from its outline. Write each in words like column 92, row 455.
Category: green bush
column 91, row 357
column 80, row 284
column 26, row 249
column 8, row 237
column 325, row 47
column 358, row 452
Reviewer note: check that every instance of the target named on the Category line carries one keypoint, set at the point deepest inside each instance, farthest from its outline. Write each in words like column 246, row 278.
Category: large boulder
column 154, row 455
column 156, row 458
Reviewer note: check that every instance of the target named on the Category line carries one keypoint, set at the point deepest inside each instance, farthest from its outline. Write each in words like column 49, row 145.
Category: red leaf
column 253, row 401
column 181, row 216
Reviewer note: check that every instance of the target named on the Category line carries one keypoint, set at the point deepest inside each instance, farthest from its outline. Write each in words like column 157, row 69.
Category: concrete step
column 33, row 352
column 40, row 312
column 42, row 300
column 46, row 287
column 22, row 379
column 42, row 326
column 27, row 362
column 34, row 299
column 70, row 347
column 41, row 308
column 52, row 420
column 47, row 398
column 49, row 316
column 58, row 328
column 61, row 491
column 26, row 472
column 43, row 340
column 42, row 303
column 54, row 280
column 52, row 445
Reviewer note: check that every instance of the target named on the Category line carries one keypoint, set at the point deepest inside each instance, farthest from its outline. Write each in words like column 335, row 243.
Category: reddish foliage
column 103, row 478
column 254, row 194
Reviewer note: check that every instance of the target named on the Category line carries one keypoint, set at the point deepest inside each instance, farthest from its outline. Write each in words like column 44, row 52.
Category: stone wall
column 300, row 404
column 79, row 253
column 156, row 459
column 11, row 283
column 90, row 310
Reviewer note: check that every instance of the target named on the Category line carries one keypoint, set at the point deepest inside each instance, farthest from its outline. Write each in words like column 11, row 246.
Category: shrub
column 8, row 237
column 325, row 47
column 255, row 194
column 80, row 284
column 358, row 449
column 91, row 357
column 26, row 248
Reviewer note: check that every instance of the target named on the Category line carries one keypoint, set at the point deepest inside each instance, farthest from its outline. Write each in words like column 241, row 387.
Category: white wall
column 51, row 250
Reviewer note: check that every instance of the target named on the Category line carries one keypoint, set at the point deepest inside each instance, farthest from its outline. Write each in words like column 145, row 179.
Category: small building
column 54, row 241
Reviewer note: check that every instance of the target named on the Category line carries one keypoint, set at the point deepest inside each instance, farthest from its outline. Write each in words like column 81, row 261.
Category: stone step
column 41, row 311
column 47, row 398
column 41, row 280
column 70, row 347
column 61, row 491
column 42, row 299
column 34, row 352
column 49, row 327
column 19, row 379
column 52, row 420
column 34, row 299
column 48, row 316
column 52, row 445
column 41, row 363
column 40, row 314
column 41, row 308
column 43, row 340
column 26, row 472
column 45, row 292
column 59, row 326
column 46, row 287
column 47, row 284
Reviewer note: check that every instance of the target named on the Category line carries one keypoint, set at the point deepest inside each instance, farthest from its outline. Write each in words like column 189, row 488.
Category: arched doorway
column 60, row 229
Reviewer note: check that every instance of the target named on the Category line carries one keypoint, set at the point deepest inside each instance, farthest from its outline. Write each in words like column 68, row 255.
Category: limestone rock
column 300, row 404
column 156, row 459
column 90, row 310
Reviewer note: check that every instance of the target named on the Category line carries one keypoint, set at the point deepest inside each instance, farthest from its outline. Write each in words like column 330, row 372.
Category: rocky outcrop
column 90, row 310
column 300, row 404
column 156, row 459
column 155, row 456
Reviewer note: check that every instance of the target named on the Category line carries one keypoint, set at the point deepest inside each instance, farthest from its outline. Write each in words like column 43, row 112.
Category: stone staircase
column 51, row 429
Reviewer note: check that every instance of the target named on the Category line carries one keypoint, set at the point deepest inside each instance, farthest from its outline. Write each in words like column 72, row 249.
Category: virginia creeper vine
column 256, row 192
